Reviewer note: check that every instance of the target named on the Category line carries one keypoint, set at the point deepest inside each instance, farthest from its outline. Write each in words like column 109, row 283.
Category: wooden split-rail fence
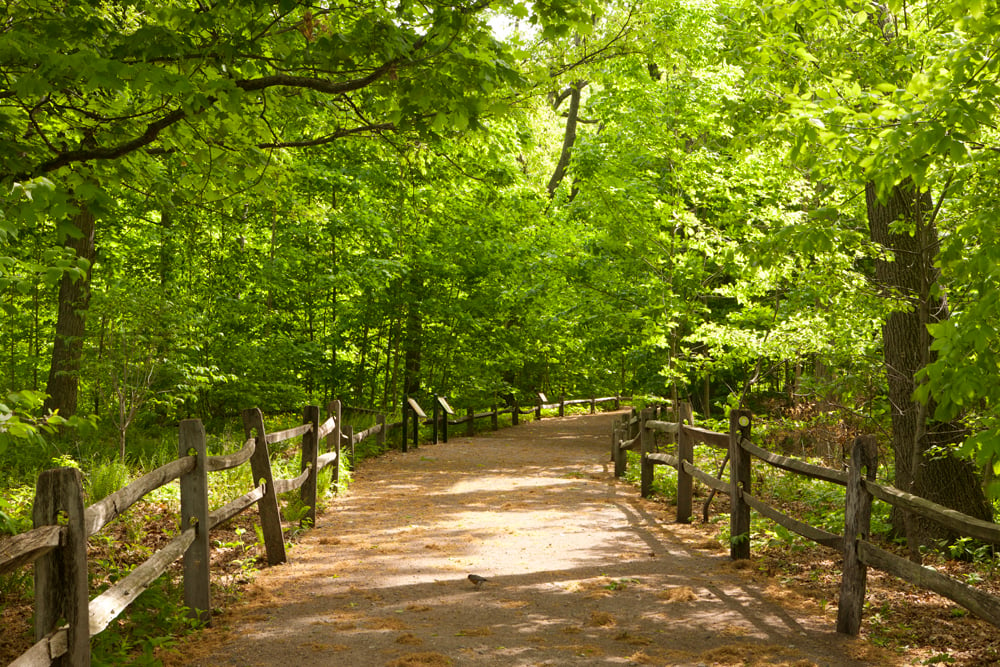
column 637, row 432
column 65, row 616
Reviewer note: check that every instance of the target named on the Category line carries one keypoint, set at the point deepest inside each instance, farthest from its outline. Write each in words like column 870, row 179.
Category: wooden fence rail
column 65, row 617
column 636, row 431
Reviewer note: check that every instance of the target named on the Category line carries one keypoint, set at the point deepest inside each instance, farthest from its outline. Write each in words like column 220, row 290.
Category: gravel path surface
column 581, row 572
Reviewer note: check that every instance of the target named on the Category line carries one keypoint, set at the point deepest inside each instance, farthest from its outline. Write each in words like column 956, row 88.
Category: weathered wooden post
column 333, row 409
column 593, row 405
column 618, row 402
column 685, row 453
column 646, row 444
column 380, row 437
column 739, row 480
column 310, row 456
column 194, row 514
column 406, row 431
column 61, row 594
column 260, row 466
column 436, row 415
column 418, row 414
column 619, row 455
column 514, row 413
column 562, row 405
column 542, row 400
column 349, row 438
column 470, row 426
column 857, row 525
column 494, row 418
column 448, row 412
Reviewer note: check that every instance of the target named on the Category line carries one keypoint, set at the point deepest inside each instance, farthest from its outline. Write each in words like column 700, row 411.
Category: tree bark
column 906, row 272
column 71, row 322
column 413, row 338
column 569, row 138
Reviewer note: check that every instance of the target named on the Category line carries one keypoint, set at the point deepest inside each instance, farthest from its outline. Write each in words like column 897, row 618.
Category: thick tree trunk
column 907, row 272
column 74, row 300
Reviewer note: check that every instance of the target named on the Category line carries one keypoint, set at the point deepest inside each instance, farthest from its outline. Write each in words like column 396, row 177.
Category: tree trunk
column 907, row 272
column 413, row 338
column 74, row 300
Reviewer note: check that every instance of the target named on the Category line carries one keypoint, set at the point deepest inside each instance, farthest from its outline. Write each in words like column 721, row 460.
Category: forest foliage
column 211, row 206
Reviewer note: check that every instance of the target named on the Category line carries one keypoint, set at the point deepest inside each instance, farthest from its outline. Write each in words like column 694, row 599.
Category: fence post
column 593, row 405
column 260, row 465
column 646, row 447
column 349, row 437
column 333, row 439
column 406, row 407
column 444, row 427
column 494, row 417
column 538, row 408
column 618, row 402
column 619, row 454
column 470, row 427
column 435, row 417
column 633, row 427
column 739, row 479
column 417, row 415
column 194, row 514
column 380, row 438
column 61, row 594
column 514, row 413
column 310, row 454
column 857, row 524
column 685, row 452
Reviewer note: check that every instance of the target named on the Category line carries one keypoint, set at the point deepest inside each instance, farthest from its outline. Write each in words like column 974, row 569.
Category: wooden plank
column 326, row 428
column 288, row 434
column 234, row 507
column 706, row 479
column 630, row 444
column 662, row 427
column 107, row 606
column 817, row 535
column 980, row 603
column 22, row 549
column 43, row 652
column 110, row 508
column 712, row 438
column 794, row 465
column 286, row 485
column 234, row 460
column 325, row 460
column 664, row 459
column 416, row 407
column 955, row 521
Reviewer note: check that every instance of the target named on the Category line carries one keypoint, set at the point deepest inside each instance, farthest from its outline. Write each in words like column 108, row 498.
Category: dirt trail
column 582, row 572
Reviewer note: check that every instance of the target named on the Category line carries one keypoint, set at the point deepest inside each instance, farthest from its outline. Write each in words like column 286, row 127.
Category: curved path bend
column 581, row 572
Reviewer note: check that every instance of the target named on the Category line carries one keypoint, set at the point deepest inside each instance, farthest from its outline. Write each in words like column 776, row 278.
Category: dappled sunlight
column 578, row 569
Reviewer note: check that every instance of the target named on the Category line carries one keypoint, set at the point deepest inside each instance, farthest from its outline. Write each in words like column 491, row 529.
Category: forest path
column 582, row 571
